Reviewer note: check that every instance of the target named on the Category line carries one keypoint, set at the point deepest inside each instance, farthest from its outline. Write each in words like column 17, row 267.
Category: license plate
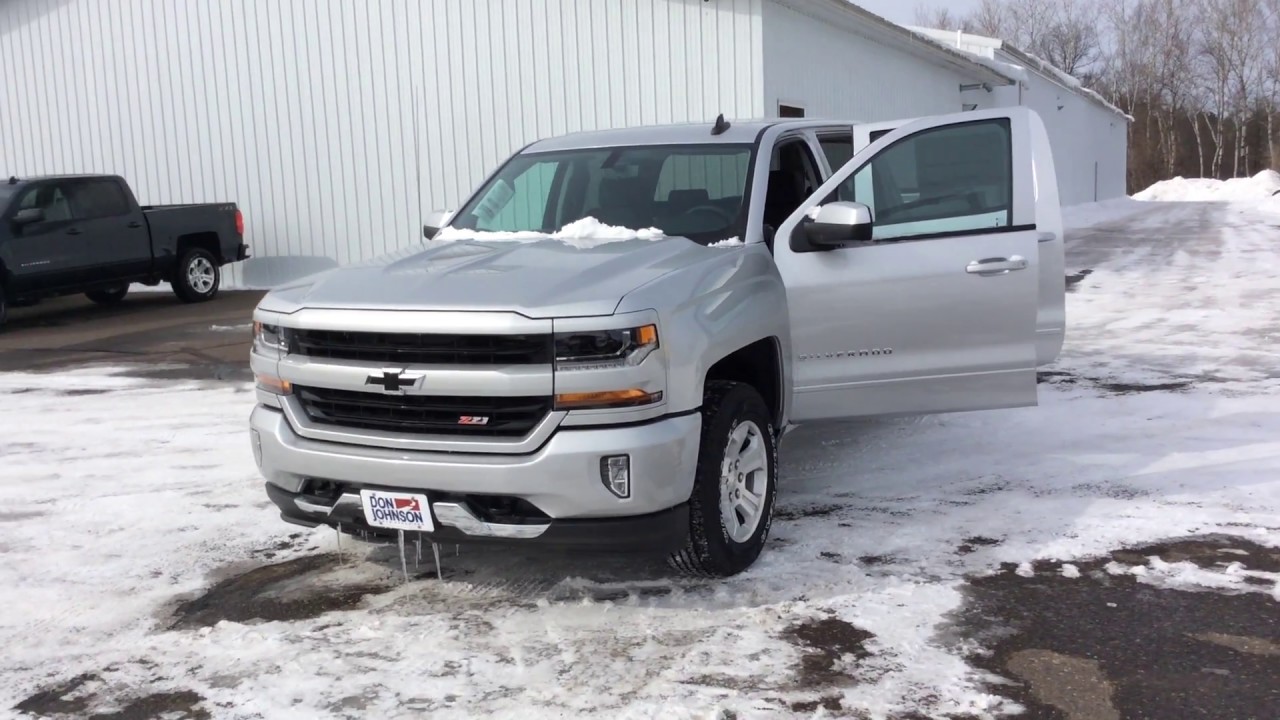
column 396, row 511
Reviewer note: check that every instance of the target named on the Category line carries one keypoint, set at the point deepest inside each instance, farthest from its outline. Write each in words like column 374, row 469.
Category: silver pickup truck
column 603, row 347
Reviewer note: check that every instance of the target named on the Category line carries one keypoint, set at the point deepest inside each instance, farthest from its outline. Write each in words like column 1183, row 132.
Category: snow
column 1260, row 188
column 1232, row 577
column 121, row 497
column 1070, row 571
column 728, row 243
column 1089, row 214
column 585, row 233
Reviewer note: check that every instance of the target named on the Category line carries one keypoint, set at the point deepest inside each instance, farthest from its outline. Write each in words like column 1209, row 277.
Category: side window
column 947, row 179
column 838, row 147
column 521, row 204
column 49, row 198
column 97, row 199
column 793, row 176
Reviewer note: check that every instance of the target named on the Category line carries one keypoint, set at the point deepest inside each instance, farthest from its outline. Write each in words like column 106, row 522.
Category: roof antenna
column 721, row 125
column 13, row 180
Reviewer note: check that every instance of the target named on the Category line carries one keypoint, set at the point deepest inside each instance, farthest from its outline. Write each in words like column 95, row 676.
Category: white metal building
column 1090, row 136
column 338, row 124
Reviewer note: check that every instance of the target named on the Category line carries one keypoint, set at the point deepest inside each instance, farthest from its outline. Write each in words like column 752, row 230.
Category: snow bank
column 1261, row 187
column 585, row 233
column 1075, row 217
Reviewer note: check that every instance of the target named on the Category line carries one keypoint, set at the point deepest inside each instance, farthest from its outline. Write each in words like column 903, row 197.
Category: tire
column 108, row 296
column 733, row 415
column 197, row 276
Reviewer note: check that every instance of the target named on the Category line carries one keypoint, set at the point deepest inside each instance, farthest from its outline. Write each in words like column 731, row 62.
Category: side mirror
column 27, row 216
column 835, row 225
column 435, row 221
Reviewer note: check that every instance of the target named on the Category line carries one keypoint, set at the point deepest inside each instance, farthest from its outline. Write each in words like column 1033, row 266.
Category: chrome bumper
column 562, row 478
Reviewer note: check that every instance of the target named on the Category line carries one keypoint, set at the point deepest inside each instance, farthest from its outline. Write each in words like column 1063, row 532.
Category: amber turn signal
column 607, row 399
column 273, row 384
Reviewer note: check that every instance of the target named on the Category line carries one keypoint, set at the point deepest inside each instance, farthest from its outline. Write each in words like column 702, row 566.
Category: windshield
column 694, row 191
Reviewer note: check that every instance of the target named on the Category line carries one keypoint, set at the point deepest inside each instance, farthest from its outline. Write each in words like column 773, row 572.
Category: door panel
column 44, row 256
column 116, row 241
column 938, row 312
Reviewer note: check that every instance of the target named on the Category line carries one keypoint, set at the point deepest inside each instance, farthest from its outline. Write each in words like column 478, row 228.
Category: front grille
column 423, row 414
column 424, row 349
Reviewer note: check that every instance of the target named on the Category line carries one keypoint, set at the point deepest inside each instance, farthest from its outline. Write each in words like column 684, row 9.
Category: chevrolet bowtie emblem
column 394, row 381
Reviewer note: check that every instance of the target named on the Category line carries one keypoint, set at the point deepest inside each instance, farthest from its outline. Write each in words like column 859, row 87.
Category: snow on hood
column 1260, row 187
column 585, row 233
column 728, row 243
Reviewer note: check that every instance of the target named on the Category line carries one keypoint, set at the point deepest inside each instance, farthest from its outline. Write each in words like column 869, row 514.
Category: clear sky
column 904, row 11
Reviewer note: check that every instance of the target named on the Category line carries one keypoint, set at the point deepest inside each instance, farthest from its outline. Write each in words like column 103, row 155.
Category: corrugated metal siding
column 833, row 72
column 1090, row 144
column 336, row 124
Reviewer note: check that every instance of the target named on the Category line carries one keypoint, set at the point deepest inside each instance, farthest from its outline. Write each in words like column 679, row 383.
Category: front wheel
column 108, row 296
column 735, row 484
column 197, row 277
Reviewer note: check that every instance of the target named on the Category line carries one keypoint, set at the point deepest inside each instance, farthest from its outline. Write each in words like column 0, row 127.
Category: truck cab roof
column 737, row 132
column 14, row 180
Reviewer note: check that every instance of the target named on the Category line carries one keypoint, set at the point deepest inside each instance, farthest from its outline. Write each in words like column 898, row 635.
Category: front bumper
column 561, row 480
column 660, row 532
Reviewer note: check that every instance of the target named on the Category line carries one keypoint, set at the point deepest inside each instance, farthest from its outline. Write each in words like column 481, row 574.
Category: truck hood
column 539, row 279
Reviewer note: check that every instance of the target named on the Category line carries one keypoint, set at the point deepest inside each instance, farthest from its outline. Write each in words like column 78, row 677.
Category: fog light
column 257, row 446
column 615, row 472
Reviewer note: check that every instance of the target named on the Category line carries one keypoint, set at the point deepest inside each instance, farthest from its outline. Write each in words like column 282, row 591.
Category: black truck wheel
column 735, row 484
column 108, row 296
column 197, row 276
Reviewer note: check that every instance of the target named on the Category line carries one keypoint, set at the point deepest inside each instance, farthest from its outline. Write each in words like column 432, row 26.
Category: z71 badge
column 473, row 420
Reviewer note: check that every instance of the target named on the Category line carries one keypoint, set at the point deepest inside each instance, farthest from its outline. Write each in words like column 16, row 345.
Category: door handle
column 73, row 231
column 996, row 266
column 135, row 224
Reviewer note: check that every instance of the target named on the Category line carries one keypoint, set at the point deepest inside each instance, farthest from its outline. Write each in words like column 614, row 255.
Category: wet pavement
column 1090, row 641
column 153, row 332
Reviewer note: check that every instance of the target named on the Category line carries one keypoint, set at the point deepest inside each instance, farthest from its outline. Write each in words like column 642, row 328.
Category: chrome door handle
column 996, row 266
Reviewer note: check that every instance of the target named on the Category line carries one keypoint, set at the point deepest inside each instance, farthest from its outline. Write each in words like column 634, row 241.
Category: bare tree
column 1201, row 78
column 990, row 19
column 1232, row 37
column 940, row 18
column 1271, row 84
column 1072, row 41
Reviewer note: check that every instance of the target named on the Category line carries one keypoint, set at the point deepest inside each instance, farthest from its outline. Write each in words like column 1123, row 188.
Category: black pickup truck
column 68, row 234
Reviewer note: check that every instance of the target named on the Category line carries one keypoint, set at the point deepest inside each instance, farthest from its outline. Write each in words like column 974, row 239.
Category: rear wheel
column 197, row 277
column 731, row 508
column 108, row 296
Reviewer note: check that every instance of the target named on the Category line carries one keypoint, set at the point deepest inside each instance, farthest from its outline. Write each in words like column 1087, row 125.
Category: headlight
column 271, row 337
column 605, row 349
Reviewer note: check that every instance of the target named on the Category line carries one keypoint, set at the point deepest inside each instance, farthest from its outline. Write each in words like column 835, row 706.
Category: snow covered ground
column 131, row 511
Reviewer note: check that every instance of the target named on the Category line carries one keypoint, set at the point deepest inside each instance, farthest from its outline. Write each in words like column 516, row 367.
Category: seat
column 782, row 197
column 622, row 203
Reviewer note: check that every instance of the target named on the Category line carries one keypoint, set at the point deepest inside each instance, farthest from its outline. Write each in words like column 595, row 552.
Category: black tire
column 108, row 296
column 193, row 265
column 710, row 550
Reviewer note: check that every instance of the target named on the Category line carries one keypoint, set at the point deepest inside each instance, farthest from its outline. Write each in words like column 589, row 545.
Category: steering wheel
column 719, row 212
